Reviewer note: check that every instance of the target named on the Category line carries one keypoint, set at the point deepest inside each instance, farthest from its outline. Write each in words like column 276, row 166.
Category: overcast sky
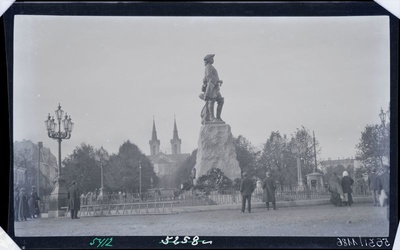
column 113, row 74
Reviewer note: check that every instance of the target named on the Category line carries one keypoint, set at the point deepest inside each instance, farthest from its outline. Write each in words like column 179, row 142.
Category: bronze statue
column 211, row 89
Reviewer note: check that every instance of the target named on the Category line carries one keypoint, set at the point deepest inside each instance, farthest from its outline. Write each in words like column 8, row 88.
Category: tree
column 247, row 156
column 182, row 175
column 279, row 156
column 82, row 167
column 123, row 171
column 305, row 142
column 374, row 146
column 278, row 159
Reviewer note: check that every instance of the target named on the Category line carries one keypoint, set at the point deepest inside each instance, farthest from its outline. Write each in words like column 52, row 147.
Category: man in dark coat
column 74, row 200
column 16, row 203
column 347, row 181
column 23, row 206
column 269, row 187
column 373, row 186
column 34, row 205
column 246, row 189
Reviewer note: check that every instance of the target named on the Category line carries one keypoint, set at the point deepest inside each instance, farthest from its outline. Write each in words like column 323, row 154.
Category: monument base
column 216, row 150
column 58, row 199
column 300, row 188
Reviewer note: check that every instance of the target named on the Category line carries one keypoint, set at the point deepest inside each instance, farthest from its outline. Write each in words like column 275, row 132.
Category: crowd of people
column 26, row 206
column 378, row 184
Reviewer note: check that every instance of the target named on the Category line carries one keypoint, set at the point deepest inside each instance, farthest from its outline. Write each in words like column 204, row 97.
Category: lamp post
column 102, row 156
column 382, row 116
column 140, row 180
column 40, row 146
column 58, row 197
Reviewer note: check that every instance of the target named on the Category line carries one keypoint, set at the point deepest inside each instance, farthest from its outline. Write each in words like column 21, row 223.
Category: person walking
column 74, row 201
column 347, row 182
column 246, row 189
column 269, row 188
column 373, row 186
column 335, row 188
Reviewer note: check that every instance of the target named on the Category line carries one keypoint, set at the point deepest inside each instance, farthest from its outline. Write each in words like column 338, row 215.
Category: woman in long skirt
column 335, row 188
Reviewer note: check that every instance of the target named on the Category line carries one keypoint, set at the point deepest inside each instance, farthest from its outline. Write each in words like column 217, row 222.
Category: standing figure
column 211, row 87
column 16, row 203
column 23, row 207
column 346, row 182
column 34, row 203
column 335, row 188
column 246, row 189
column 373, row 186
column 74, row 201
column 269, row 188
column 384, row 188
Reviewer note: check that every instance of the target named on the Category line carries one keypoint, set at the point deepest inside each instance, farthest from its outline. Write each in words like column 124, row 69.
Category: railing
column 198, row 198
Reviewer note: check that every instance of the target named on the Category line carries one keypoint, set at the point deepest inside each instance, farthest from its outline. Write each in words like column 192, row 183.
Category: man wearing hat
column 74, row 200
column 246, row 189
column 211, row 87
column 373, row 185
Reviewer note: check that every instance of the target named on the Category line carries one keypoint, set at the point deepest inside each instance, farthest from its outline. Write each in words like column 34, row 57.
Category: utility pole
column 315, row 152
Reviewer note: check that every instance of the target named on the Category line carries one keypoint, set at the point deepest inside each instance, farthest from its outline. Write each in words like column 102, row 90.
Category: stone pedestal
column 216, row 150
column 58, row 199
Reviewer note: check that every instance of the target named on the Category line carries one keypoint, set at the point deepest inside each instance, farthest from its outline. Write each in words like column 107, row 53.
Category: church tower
column 175, row 141
column 154, row 142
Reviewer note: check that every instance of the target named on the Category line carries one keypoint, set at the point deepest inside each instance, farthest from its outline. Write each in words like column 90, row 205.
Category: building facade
column 166, row 165
column 26, row 162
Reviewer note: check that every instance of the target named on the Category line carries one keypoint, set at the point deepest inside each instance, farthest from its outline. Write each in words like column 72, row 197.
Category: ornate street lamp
column 40, row 146
column 102, row 157
column 58, row 197
column 382, row 116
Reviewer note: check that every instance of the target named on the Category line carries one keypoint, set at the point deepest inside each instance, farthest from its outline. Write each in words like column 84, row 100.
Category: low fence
column 198, row 198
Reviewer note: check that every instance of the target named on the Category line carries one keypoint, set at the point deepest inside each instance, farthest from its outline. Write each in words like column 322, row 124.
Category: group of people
column 341, row 189
column 26, row 206
column 378, row 184
column 247, row 187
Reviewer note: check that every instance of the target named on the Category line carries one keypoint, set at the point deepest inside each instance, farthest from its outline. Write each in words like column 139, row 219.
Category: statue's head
column 209, row 58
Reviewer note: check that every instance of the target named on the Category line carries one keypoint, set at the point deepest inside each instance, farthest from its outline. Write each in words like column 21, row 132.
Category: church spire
column 154, row 133
column 154, row 142
column 175, row 141
column 175, row 136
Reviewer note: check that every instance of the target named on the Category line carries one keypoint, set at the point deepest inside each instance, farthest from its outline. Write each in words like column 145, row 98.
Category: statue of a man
column 211, row 86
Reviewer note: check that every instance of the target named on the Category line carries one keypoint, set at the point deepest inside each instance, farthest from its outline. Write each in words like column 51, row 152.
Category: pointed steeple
column 175, row 136
column 175, row 141
column 154, row 133
column 154, row 142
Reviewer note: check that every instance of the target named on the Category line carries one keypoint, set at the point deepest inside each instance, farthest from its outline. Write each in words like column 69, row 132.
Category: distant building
column 348, row 164
column 26, row 160
column 165, row 165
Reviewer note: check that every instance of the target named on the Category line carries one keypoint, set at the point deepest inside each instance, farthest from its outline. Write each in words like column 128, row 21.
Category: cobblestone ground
column 325, row 220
